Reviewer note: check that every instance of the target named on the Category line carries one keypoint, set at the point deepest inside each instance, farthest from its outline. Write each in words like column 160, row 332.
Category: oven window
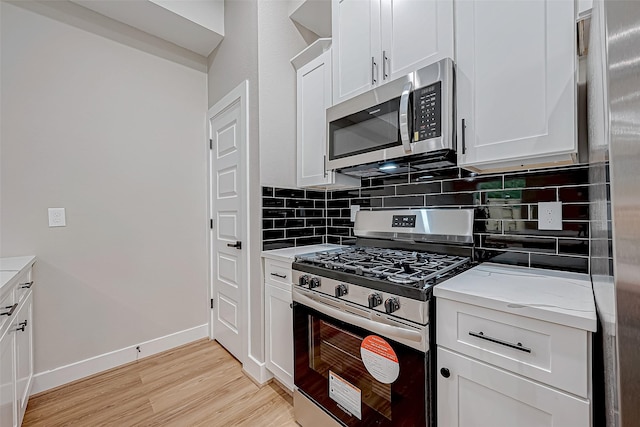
column 370, row 130
column 338, row 350
column 323, row 344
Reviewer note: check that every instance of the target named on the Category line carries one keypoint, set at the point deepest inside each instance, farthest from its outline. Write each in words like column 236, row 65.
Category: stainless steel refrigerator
column 613, row 86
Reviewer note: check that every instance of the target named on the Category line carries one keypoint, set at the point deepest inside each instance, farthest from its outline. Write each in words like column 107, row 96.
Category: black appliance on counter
column 364, row 318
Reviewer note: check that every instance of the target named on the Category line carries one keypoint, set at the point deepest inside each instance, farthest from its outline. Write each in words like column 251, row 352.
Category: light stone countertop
column 288, row 254
column 553, row 296
column 12, row 267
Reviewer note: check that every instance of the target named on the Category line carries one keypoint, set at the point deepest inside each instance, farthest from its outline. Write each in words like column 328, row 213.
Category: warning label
column 346, row 395
column 379, row 359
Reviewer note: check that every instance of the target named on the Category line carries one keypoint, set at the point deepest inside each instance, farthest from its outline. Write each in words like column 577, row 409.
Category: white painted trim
column 65, row 374
column 239, row 94
column 257, row 370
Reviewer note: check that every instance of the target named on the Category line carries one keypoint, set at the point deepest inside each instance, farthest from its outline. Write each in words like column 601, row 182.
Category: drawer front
column 24, row 285
column 547, row 352
column 277, row 272
column 8, row 305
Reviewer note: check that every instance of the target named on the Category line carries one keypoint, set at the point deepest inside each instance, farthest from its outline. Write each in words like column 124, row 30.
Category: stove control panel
column 375, row 300
column 314, row 283
column 404, row 221
column 391, row 305
column 341, row 290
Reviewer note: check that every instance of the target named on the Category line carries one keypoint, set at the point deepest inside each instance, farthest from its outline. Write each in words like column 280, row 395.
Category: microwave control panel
column 428, row 112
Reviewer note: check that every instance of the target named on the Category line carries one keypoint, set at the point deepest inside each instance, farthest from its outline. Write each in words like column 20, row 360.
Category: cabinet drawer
column 7, row 303
column 23, row 286
column 277, row 272
column 550, row 353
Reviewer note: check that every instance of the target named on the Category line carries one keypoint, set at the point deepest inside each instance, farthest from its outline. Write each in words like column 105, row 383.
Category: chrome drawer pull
column 11, row 308
column 26, row 285
column 517, row 346
column 279, row 275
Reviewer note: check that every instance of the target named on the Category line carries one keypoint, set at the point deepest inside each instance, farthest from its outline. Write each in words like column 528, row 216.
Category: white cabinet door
column 279, row 333
column 313, row 99
column 8, row 416
column 415, row 33
column 478, row 395
column 24, row 354
column 355, row 46
column 516, row 85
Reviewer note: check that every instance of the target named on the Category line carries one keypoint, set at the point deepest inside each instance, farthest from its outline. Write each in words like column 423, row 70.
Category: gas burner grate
column 415, row 269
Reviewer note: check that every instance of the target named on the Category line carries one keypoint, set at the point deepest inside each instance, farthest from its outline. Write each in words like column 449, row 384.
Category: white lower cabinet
column 278, row 326
column 8, row 414
column 475, row 394
column 279, row 334
column 24, row 354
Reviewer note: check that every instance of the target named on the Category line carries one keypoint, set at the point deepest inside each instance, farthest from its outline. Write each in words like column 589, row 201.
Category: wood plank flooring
column 199, row 384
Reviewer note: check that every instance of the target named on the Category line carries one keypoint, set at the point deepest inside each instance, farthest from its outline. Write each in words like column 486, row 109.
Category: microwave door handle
column 404, row 118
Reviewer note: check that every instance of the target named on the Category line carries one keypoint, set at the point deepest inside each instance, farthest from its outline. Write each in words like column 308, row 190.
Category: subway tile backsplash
column 293, row 217
column 506, row 212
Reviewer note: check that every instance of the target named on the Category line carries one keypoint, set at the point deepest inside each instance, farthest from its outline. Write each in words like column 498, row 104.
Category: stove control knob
column 314, row 283
column 375, row 300
column 303, row 280
column 341, row 290
column 391, row 305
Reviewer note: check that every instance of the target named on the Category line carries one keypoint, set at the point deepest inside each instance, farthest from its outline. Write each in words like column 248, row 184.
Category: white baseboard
column 257, row 371
column 65, row 374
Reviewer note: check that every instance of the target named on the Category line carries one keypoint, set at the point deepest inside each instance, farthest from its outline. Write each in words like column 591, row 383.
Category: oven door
column 371, row 127
column 356, row 375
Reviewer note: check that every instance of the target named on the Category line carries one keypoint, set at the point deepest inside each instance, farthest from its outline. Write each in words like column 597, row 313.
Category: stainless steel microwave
column 410, row 116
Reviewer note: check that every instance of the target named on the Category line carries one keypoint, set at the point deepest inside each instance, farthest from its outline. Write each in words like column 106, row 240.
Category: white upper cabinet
column 314, row 97
column 356, row 46
column 376, row 41
column 516, row 83
column 415, row 33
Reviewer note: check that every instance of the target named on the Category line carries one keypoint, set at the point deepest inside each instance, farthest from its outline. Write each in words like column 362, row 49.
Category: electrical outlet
column 549, row 216
column 354, row 210
column 57, row 217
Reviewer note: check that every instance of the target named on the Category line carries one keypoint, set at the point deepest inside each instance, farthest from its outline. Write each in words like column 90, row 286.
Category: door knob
column 445, row 372
column 237, row 245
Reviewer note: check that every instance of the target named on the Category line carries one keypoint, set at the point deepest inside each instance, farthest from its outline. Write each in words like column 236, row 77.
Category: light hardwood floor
column 199, row 384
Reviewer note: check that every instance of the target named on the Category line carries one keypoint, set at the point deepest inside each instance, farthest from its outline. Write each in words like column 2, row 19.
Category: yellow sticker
column 416, row 135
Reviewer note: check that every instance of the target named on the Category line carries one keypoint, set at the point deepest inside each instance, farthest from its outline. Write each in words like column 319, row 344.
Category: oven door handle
column 370, row 324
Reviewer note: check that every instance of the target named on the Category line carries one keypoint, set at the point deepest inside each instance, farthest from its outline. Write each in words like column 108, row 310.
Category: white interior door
column 228, row 234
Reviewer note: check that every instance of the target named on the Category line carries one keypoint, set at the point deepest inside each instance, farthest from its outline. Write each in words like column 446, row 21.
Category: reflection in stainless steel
column 615, row 124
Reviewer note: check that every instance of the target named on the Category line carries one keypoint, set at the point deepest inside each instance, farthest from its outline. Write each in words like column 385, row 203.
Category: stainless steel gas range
column 363, row 318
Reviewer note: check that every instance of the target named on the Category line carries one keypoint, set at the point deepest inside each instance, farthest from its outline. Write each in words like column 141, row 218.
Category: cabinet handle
column 282, row 276
column 26, row 285
column 11, row 308
column 464, row 131
column 374, row 70
column 21, row 327
column 517, row 346
column 385, row 60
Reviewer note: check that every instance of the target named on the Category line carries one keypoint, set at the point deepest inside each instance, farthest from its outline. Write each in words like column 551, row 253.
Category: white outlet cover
column 57, row 217
column 354, row 209
column 549, row 216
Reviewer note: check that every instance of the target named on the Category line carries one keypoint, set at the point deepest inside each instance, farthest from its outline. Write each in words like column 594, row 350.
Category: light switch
column 57, row 217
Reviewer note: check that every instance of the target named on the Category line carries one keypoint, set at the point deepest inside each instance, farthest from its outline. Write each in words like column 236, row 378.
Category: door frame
column 240, row 95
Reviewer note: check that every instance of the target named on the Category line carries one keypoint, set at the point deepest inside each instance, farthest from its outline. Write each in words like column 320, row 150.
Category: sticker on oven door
column 346, row 395
column 379, row 359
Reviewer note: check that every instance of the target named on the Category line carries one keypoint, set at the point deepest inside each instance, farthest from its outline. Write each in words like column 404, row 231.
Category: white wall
column 232, row 62
column 279, row 40
column 117, row 137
